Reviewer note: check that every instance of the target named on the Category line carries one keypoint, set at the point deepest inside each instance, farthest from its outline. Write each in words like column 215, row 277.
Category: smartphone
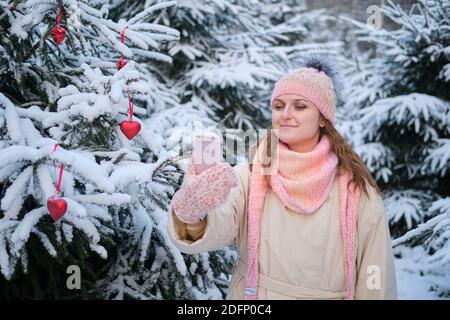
column 207, row 152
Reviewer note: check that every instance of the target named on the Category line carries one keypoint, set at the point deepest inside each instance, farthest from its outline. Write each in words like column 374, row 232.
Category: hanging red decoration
column 130, row 128
column 58, row 32
column 56, row 205
column 122, row 62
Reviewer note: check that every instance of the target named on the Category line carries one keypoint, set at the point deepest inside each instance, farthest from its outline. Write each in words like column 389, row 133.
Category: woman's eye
column 300, row 107
column 278, row 107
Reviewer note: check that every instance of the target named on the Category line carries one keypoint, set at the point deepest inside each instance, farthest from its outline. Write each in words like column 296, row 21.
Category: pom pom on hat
column 323, row 63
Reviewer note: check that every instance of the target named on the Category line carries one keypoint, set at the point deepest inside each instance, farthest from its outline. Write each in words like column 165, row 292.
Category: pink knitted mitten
column 200, row 192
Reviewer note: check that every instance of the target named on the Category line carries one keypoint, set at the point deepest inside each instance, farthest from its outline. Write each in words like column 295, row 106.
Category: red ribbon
column 59, row 14
column 61, row 169
column 130, row 106
column 130, row 103
column 122, row 38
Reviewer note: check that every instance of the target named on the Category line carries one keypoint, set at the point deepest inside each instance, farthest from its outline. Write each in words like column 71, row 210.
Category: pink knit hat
column 314, row 82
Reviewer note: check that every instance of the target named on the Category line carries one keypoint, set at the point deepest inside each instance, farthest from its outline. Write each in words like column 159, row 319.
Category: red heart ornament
column 130, row 128
column 57, row 207
column 121, row 63
column 58, row 34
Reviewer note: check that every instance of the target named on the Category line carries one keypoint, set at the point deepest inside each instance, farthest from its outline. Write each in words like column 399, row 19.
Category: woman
column 308, row 223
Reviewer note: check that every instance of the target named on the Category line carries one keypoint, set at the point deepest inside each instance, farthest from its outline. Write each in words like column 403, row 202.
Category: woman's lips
column 286, row 126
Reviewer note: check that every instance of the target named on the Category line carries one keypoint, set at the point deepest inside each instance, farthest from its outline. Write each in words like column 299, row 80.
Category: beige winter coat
column 300, row 256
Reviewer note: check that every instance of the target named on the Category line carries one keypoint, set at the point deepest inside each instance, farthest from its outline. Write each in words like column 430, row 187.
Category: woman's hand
column 204, row 191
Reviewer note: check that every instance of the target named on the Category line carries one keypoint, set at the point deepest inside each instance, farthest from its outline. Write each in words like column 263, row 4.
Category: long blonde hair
column 348, row 159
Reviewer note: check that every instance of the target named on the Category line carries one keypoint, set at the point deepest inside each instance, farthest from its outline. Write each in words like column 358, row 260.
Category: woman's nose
column 286, row 112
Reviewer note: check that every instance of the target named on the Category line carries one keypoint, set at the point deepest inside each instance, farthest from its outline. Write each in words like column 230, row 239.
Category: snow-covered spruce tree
column 116, row 190
column 402, row 128
column 145, row 264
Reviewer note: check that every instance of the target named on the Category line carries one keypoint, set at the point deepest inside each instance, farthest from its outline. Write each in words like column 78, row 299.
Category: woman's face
column 297, row 119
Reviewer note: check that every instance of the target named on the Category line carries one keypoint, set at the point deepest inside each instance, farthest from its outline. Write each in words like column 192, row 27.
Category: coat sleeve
column 220, row 226
column 376, row 278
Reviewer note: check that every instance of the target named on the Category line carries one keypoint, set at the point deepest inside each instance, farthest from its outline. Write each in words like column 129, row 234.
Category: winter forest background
column 191, row 61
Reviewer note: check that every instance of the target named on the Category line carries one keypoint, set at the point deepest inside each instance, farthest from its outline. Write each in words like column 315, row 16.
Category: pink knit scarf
column 302, row 181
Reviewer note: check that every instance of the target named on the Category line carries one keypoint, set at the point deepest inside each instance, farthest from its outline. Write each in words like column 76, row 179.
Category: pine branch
column 16, row 2
column 166, row 162
column 35, row 47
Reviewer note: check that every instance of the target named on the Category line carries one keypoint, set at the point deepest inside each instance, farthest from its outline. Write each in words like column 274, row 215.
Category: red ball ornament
column 130, row 128
column 121, row 63
column 58, row 34
column 57, row 207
